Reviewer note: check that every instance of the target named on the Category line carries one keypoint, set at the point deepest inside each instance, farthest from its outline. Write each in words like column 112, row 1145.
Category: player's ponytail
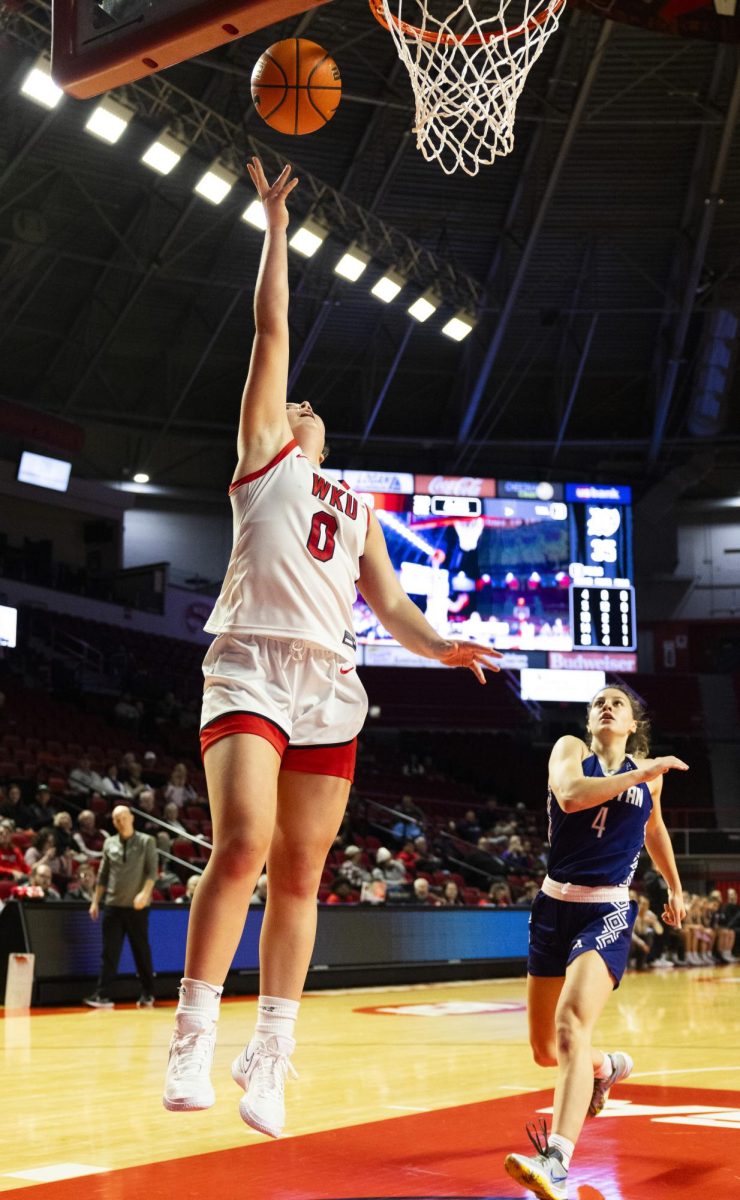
column 638, row 743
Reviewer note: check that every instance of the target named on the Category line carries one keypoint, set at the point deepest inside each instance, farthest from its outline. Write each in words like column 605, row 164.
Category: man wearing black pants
column 126, row 880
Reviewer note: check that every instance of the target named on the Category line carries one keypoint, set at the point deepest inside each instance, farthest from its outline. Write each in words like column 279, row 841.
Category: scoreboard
column 542, row 570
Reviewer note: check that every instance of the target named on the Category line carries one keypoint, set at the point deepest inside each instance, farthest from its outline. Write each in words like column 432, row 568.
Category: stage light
column 216, row 184
column 388, row 286
column 141, row 477
column 459, row 326
column 108, row 120
column 164, row 154
column 39, row 85
column 352, row 263
column 422, row 309
column 254, row 214
column 308, row 238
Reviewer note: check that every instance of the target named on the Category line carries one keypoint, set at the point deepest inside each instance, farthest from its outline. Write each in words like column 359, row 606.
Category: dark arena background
column 529, row 372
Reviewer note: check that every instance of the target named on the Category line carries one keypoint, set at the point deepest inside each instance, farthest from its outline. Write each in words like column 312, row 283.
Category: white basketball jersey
column 295, row 560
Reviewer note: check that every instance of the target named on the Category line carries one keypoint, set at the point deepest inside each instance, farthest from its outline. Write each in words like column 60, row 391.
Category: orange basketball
column 296, row 86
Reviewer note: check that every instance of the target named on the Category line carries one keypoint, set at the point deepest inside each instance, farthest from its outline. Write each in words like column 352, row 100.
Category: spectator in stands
column 190, row 886
column 131, row 774
column 88, row 839
column 41, row 877
column 147, row 802
column 259, row 895
column 13, row 809
column 48, row 848
column 83, row 780
column 451, row 897
column 468, row 828
column 392, row 870
column 171, row 814
column 82, row 886
column 166, row 879
column 178, row 790
column 725, row 940
column 731, row 910
column 62, row 824
column 647, row 936
column 427, row 860
column 499, row 895
column 12, row 863
column 352, row 869
column 152, row 775
column 411, row 821
column 341, row 893
column 481, row 865
column 408, row 857
column 517, row 862
column 168, row 709
column 128, row 712
column 113, row 786
column 126, row 880
column 529, row 893
column 423, row 893
column 41, row 811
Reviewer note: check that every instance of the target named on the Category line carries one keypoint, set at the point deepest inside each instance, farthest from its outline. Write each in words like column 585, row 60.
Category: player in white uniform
column 282, row 703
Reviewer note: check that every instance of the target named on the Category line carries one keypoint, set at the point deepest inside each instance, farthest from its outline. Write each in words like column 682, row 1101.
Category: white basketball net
column 467, row 72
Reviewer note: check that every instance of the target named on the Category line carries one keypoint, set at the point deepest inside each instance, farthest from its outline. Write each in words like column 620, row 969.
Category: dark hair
column 325, row 452
column 638, row 742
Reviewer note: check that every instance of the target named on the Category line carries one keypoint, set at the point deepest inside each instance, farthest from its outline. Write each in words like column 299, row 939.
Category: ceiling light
column 216, row 184
column 388, row 286
column 459, row 326
column 141, row 477
column 164, row 154
column 352, row 263
column 308, row 238
column 422, row 309
column 254, row 215
column 109, row 120
column 39, row 85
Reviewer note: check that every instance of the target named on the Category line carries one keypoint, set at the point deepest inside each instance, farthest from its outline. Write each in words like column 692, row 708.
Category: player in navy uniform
column 603, row 804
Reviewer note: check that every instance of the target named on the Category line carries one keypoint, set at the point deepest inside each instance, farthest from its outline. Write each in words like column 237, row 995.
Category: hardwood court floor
column 402, row 1092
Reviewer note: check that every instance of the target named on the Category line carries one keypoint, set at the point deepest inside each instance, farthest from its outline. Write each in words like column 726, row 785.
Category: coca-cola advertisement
column 455, row 485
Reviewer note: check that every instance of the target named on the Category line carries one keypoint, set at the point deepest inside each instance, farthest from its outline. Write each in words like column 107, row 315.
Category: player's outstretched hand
column 273, row 196
column 473, row 656
column 651, row 768
column 674, row 910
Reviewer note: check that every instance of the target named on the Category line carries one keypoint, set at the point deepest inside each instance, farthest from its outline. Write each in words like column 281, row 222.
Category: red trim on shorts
column 338, row 760
column 242, row 722
column 291, row 445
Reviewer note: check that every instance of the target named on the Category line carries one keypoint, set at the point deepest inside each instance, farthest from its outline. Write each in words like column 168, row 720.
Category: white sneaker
column 622, row 1066
column 662, row 964
column 187, row 1085
column 261, row 1070
column 543, row 1173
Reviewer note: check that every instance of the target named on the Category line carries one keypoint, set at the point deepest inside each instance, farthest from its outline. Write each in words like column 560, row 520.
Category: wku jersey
column 295, row 560
column 599, row 846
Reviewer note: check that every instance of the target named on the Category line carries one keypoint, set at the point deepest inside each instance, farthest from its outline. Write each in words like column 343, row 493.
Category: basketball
column 296, row 86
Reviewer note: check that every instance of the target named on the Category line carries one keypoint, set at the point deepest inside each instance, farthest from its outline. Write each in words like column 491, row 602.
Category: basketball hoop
column 467, row 72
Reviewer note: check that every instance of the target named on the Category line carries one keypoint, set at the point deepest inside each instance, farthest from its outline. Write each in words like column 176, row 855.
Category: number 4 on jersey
column 599, row 820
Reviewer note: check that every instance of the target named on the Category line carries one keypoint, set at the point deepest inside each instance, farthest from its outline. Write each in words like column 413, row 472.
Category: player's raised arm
column 574, row 791
column 404, row 621
column 263, row 425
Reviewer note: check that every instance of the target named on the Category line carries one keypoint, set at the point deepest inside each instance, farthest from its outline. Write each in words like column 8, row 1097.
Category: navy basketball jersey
column 599, row 847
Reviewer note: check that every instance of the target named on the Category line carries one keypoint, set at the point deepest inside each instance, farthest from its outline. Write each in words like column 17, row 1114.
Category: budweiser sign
column 455, row 485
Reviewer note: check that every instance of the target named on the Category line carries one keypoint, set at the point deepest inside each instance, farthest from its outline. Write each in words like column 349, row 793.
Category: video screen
column 533, row 569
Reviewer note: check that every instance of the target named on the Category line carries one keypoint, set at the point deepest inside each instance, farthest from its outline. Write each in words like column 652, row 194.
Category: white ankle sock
column 199, row 1001
column 275, row 1016
column 605, row 1070
column 566, row 1148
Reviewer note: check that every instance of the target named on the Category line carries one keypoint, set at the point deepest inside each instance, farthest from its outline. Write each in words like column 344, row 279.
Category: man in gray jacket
column 126, row 879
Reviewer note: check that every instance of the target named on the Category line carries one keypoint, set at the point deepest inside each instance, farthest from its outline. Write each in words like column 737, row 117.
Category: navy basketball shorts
column 561, row 930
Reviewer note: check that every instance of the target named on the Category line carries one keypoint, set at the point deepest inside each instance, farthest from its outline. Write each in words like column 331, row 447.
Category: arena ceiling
column 594, row 255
